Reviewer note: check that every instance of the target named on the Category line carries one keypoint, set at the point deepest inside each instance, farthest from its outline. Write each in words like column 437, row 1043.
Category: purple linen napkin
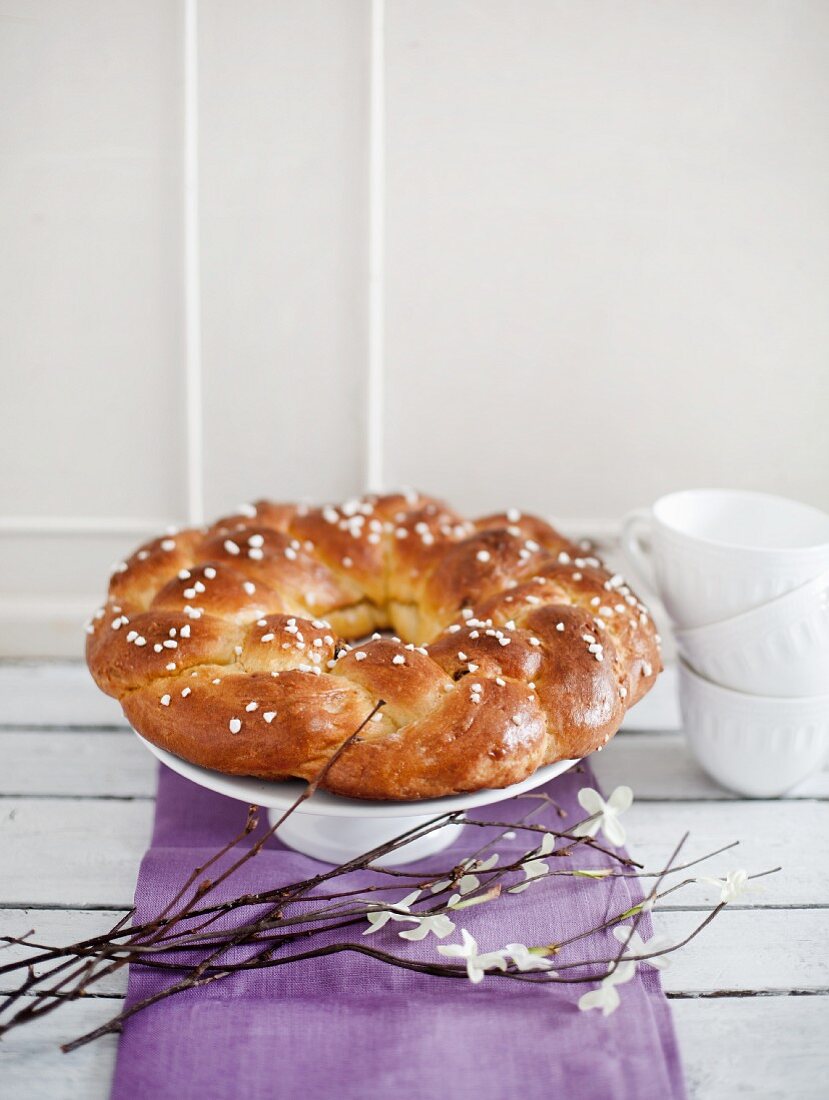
column 350, row 1027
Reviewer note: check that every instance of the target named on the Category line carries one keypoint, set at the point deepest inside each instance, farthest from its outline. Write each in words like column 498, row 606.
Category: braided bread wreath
column 226, row 646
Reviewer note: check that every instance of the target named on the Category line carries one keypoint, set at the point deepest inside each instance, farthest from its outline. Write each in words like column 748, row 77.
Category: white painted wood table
column 750, row 996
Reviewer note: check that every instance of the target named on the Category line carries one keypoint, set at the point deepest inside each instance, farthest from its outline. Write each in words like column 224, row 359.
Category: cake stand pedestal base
column 337, row 840
column 337, row 829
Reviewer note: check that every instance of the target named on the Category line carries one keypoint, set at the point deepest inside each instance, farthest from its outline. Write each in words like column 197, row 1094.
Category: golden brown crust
column 228, row 646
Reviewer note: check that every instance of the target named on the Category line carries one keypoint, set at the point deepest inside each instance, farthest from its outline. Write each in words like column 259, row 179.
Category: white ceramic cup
column 781, row 648
column 710, row 554
column 758, row 746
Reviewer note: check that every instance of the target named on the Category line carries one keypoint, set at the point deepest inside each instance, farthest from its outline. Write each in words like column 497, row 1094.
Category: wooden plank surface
column 55, row 693
column 772, row 1048
column 714, row 963
column 71, row 852
column 793, row 835
column 87, row 850
column 76, row 792
column 90, row 763
column 32, row 1065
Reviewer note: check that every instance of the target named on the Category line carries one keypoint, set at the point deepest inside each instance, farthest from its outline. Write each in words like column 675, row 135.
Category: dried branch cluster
column 197, row 942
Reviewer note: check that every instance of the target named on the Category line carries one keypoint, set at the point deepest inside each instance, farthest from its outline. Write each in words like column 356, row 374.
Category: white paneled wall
column 608, row 237
column 90, row 224
column 284, row 138
column 606, row 262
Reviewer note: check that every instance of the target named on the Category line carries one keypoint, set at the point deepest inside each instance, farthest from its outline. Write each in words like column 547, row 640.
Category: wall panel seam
column 375, row 411
column 192, row 269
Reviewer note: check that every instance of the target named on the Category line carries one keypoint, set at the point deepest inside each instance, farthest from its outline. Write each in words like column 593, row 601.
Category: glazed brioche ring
column 229, row 646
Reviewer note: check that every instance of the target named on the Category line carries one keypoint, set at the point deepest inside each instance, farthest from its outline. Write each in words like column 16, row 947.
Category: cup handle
column 633, row 526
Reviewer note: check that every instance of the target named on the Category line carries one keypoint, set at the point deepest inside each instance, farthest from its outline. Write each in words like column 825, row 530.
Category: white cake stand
column 337, row 829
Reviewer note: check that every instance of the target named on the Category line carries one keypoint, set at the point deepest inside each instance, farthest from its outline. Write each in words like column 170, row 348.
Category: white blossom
column 476, row 964
column 438, row 924
column 536, row 867
column 380, row 918
column 637, row 946
column 606, row 997
column 733, row 886
column 604, row 815
column 548, row 842
column 524, row 958
column 470, row 881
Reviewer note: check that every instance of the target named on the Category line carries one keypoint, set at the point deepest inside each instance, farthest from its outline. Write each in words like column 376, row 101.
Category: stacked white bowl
column 744, row 578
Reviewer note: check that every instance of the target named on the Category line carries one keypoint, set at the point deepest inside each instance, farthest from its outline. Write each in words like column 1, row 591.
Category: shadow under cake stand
column 336, row 829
